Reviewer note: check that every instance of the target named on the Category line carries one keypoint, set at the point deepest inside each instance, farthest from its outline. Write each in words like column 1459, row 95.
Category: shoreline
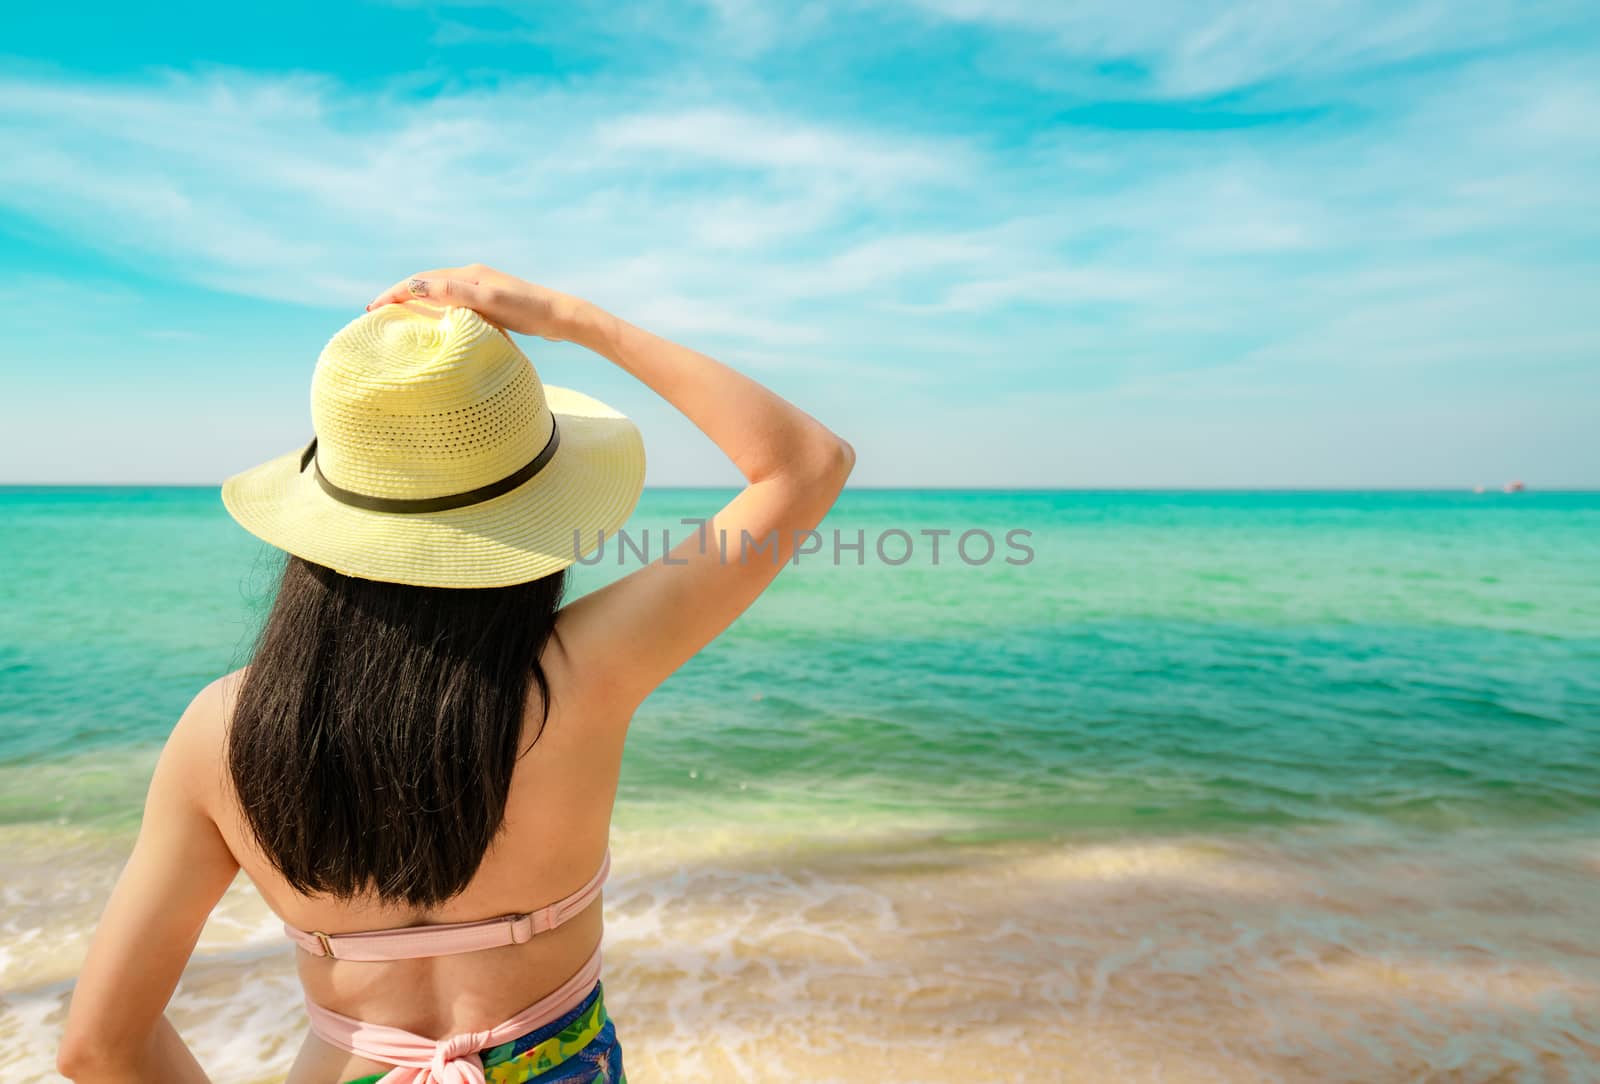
column 756, row 953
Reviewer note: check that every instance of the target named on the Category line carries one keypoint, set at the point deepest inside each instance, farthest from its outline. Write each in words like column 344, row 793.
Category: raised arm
column 647, row 624
column 630, row 635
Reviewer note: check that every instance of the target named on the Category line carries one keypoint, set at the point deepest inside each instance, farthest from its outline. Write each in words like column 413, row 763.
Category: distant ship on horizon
column 1515, row 486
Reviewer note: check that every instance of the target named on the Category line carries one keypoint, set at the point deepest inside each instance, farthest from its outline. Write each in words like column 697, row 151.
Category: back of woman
column 418, row 766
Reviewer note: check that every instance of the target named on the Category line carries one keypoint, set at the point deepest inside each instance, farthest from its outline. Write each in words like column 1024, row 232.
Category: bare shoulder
column 206, row 717
column 196, row 748
column 575, row 698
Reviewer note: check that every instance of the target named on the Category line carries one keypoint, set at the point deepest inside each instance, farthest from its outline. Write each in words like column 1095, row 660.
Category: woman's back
column 554, row 839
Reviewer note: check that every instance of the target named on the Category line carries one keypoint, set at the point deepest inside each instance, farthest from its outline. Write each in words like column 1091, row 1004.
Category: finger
column 408, row 288
column 449, row 291
column 403, row 290
column 400, row 291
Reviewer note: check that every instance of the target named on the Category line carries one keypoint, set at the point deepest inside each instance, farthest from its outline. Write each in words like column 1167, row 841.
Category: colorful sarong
column 578, row 1048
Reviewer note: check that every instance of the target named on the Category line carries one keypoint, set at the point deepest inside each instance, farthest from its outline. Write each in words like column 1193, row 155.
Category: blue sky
column 1218, row 243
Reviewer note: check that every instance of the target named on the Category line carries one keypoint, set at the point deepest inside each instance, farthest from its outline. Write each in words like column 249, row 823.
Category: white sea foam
column 743, row 951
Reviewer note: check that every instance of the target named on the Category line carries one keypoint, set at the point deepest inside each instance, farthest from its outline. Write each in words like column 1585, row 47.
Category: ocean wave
column 853, row 950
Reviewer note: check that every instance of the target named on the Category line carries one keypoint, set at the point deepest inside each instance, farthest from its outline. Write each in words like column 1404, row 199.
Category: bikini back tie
column 455, row 1059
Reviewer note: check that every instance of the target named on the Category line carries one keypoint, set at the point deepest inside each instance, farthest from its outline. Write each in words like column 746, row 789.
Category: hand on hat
column 501, row 299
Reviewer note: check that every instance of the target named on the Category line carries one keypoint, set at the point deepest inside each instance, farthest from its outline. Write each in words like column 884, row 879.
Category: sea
column 1110, row 786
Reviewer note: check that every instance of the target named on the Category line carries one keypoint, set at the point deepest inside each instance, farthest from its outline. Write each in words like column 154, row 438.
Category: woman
column 418, row 766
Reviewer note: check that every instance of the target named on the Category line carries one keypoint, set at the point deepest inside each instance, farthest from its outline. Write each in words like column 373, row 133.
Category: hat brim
column 586, row 491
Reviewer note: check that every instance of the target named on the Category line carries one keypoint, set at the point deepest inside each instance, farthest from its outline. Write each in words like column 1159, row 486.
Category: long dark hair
column 373, row 739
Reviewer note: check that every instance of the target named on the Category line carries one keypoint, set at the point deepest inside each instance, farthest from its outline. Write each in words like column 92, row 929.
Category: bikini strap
column 416, row 942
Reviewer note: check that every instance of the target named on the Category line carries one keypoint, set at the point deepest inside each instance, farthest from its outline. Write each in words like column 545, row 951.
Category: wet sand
column 863, row 954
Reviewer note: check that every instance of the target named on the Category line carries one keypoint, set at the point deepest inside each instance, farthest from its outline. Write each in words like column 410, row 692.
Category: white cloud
column 729, row 137
column 294, row 190
column 1208, row 47
column 1440, row 234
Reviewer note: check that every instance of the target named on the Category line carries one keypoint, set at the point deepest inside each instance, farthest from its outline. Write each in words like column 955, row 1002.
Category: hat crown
column 410, row 403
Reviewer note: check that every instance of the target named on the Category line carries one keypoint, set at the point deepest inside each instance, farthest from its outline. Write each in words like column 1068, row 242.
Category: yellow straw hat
column 440, row 459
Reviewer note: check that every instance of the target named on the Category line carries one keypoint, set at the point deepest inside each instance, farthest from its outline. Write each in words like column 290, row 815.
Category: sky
column 1011, row 243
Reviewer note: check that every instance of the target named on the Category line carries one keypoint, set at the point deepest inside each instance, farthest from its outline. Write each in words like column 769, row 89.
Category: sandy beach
column 853, row 954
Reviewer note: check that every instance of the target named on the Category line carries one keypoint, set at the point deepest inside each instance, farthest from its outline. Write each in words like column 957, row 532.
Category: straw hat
column 440, row 459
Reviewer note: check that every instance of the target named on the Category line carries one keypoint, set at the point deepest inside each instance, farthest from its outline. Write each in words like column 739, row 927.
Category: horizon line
column 926, row 487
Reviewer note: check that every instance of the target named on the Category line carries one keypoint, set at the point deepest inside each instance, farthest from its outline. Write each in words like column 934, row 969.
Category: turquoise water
column 1165, row 661
column 1215, row 787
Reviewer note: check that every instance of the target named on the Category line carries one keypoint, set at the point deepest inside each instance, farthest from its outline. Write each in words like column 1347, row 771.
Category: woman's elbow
column 818, row 468
column 85, row 1056
column 833, row 461
column 77, row 1057
column 847, row 455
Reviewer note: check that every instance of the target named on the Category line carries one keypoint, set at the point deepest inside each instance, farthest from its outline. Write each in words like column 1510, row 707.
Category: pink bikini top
column 453, row 1059
column 416, row 942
